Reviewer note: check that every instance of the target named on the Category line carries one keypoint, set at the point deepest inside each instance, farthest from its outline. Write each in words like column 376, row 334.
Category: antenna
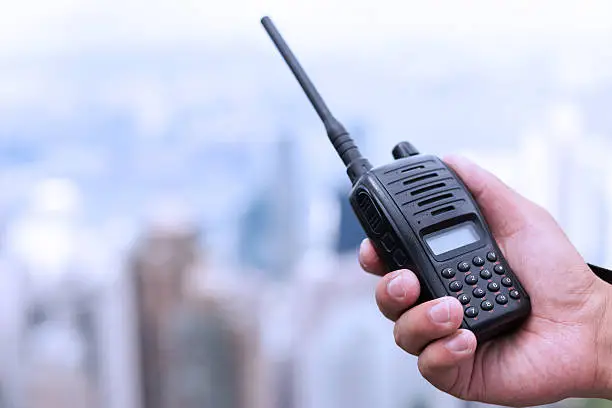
column 356, row 164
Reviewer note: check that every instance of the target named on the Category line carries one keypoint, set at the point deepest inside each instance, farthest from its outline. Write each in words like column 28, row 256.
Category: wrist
column 603, row 377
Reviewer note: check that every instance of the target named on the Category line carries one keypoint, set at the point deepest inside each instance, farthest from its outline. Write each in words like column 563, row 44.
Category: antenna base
column 358, row 168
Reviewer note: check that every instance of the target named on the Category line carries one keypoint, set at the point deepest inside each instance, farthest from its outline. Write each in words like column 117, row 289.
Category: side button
column 399, row 257
column 388, row 242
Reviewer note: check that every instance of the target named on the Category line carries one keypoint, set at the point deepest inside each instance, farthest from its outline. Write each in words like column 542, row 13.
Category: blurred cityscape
column 175, row 225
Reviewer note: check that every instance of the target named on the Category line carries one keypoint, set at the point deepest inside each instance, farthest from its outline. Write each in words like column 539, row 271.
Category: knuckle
column 424, row 367
column 397, row 336
column 404, row 339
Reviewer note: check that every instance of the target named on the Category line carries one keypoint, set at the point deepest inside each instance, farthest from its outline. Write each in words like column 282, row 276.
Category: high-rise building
column 269, row 237
column 158, row 266
column 195, row 351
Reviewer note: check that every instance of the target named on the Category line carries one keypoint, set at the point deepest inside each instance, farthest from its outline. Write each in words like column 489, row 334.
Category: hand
column 562, row 350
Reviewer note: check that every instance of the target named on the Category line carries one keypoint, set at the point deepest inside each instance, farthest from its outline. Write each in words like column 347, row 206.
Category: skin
column 564, row 349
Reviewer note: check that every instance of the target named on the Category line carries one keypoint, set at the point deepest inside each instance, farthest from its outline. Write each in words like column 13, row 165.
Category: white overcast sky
column 31, row 26
column 578, row 33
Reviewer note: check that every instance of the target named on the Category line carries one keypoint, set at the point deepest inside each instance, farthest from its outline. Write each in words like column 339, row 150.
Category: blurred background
column 175, row 229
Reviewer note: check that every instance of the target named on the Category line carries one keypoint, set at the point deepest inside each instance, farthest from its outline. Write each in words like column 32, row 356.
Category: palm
column 551, row 353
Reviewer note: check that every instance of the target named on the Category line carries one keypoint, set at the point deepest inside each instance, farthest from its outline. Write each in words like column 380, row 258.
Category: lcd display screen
column 452, row 238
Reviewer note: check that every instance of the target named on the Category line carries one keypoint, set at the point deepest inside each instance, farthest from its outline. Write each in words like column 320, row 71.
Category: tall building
column 269, row 236
column 158, row 267
column 195, row 350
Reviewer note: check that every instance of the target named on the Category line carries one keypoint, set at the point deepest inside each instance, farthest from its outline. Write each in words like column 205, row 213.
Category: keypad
column 501, row 299
column 486, row 305
column 493, row 286
column 455, row 286
column 471, row 279
column 464, row 299
column 499, row 269
column 471, row 311
column 478, row 261
column 490, row 287
column 479, row 292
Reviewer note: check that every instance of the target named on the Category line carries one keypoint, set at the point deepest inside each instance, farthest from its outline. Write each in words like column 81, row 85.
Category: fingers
column 506, row 211
column 369, row 260
column 447, row 363
column 396, row 292
column 427, row 322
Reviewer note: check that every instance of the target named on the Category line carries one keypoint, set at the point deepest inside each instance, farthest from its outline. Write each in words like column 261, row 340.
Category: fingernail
column 440, row 313
column 460, row 343
column 359, row 256
column 396, row 288
column 362, row 243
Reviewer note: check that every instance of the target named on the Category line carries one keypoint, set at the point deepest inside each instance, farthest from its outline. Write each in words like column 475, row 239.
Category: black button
column 501, row 299
column 493, row 286
column 485, row 274
column 514, row 294
column 455, row 286
column 478, row 292
column 478, row 261
column 471, row 312
column 506, row 281
column 491, row 256
column 499, row 269
column 388, row 242
column 486, row 305
column 448, row 273
column 464, row 299
column 399, row 257
column 471, row 279
column 463, row 266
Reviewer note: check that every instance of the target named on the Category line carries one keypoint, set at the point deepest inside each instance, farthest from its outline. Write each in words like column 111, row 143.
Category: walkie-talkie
column 419, row 215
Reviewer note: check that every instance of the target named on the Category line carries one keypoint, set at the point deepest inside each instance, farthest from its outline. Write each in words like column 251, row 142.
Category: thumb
column 506, row 211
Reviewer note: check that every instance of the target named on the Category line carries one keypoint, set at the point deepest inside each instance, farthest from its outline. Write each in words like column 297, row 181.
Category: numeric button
column 507, row 282
column 464, row 299
column 471, row 312
column 463, row 266
column 455, row 286
column 448, row 273
column 499, row 269
column 491, row 256
column 493, row 286
column 478, row 292
column 486, row 305
column 514, row 294
column 501, row 299
column 478, row 261
column 471, row 279
column 485, row 274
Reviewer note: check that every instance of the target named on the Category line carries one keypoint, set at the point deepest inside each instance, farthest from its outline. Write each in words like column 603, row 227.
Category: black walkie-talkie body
column 420, row 215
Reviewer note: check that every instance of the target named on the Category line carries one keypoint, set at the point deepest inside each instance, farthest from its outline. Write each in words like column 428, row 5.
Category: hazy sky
column 425, row 69
column 39, row 26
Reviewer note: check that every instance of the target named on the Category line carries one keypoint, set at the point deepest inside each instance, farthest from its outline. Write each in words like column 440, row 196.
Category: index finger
column 369, row 259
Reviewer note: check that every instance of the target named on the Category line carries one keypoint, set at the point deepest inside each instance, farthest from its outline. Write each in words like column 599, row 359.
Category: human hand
column 562, row 350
